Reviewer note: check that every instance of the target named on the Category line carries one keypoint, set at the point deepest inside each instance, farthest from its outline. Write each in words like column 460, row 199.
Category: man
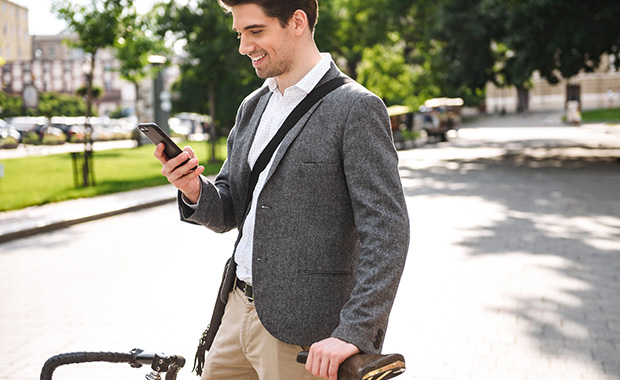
column 324, row 240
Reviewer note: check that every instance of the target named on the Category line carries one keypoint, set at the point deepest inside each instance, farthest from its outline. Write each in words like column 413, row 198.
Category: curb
column 52, row 226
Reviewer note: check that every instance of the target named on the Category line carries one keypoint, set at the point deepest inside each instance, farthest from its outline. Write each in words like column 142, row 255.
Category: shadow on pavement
column 559, row 209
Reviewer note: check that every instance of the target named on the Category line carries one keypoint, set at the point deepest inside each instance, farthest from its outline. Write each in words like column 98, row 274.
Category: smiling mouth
column 256, row 60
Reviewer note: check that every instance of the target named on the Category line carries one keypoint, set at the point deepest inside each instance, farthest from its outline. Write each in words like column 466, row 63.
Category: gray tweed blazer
column 332, row 229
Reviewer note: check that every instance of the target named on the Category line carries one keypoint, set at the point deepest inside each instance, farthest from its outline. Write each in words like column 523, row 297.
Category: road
column 512, row 271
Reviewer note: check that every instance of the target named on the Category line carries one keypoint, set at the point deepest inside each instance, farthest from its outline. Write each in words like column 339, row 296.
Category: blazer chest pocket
column 317, row 177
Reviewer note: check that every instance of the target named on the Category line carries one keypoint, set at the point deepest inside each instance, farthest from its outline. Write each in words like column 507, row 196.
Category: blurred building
column 57, row 67
column 600, row 89
column 15, row 44
column 48, row 63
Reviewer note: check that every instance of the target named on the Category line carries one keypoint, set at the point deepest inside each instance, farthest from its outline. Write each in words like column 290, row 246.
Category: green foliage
column 347, row 27
column 384, row 71
column 134, row 47
column 8, row 142
column 31, row 138
column 56, row 104
column 11, row 105
column 97, row 24
column 556, row 38
column 96, row 91
column 50, row 104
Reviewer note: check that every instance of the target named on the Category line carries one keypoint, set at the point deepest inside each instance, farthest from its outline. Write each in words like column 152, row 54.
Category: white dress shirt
column 277, row 110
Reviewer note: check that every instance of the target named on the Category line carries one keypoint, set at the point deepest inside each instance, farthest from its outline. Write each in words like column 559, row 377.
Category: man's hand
column 326, row 356
column 183, row 178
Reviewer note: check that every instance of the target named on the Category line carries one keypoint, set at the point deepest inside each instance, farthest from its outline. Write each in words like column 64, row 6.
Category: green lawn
column 39, row 180
column 611, row 115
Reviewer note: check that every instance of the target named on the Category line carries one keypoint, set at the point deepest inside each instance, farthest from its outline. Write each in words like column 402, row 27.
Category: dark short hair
column 283, row 10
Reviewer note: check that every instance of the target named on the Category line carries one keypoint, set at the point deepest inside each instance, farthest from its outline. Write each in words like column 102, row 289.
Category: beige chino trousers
column 244, row 350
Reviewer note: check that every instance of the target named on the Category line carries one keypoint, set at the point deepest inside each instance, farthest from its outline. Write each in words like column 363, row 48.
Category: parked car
column 28, row 124
column 9, row 135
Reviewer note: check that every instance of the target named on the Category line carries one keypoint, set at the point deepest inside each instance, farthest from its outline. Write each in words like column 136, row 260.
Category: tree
column 134, row 47
column 97, row 26
column 558, row 39
column 347, row 27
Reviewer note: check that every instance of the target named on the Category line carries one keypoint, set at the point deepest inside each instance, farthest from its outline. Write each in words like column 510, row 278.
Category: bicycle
column 357, row 367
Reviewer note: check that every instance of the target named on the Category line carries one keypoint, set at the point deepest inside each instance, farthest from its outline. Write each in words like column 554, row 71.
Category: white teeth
column 258, row 58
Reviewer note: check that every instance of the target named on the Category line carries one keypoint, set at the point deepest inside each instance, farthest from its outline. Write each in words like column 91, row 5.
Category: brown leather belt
column 246, row 289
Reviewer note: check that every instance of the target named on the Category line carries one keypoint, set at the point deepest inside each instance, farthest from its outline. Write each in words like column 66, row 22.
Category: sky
column 41, row 20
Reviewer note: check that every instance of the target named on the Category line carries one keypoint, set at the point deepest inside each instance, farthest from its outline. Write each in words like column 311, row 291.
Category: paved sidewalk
column 513, row 269
column 515, row 254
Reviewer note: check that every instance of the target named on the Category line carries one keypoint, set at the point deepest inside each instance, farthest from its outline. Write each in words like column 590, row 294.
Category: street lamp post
column 161, row 97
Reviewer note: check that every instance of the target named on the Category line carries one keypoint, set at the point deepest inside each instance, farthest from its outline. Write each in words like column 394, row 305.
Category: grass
column 611, row 115
column 32, row 181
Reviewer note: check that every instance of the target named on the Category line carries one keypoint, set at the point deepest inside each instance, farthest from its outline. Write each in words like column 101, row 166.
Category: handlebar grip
column 302, row 357
column 366, row 366
column 81, row 357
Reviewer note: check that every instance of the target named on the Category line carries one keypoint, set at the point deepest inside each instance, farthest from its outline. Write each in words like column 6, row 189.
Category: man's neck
column 305, row 61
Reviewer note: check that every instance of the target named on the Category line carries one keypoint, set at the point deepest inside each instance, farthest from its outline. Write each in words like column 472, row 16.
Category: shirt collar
column 310, row 80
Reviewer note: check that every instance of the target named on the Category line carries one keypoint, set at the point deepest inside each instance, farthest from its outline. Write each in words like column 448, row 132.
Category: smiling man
column 325, row 231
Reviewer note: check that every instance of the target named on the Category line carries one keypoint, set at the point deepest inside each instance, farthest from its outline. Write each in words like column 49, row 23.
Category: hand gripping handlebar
column 367, row 366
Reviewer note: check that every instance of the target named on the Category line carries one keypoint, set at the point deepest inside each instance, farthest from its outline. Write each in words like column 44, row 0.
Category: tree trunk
column 523, row 99
column 88, row 143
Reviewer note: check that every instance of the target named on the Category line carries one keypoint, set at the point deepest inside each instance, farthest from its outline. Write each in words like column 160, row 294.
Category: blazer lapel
column 243, row 142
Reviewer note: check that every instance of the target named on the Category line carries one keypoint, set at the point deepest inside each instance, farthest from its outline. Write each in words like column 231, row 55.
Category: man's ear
column 299, row 22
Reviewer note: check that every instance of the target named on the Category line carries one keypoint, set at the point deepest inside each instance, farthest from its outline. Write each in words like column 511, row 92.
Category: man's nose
column 244, row 46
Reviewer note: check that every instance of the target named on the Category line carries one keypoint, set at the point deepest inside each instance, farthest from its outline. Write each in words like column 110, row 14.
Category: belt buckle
column 247, row 290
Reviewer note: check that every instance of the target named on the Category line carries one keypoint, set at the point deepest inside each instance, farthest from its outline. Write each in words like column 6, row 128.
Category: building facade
column 57, row 67
column 600, row 89
column 15, row 43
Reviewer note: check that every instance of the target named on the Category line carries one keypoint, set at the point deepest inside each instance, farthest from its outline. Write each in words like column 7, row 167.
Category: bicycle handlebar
column 171, row 364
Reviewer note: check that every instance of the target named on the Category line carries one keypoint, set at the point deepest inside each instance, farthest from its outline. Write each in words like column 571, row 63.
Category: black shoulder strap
column 292, row 119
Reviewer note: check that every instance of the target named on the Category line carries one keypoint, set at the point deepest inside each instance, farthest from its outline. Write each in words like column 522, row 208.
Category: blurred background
column 506, row 115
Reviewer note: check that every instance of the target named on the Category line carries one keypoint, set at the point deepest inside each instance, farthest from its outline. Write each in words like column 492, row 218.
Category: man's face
column 263, row 40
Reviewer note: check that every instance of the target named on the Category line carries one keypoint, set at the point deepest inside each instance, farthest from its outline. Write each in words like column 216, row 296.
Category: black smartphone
column 156, row 135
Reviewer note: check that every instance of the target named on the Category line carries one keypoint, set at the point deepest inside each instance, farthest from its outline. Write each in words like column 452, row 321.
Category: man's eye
column 256, row 32
column 238, row 36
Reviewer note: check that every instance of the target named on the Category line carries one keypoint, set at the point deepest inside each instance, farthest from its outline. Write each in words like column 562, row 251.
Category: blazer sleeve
column 216, row 205
column 371, row 169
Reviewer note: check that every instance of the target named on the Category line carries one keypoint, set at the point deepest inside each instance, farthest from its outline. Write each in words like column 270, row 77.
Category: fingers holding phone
column 180, row 167
column 182, row 171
